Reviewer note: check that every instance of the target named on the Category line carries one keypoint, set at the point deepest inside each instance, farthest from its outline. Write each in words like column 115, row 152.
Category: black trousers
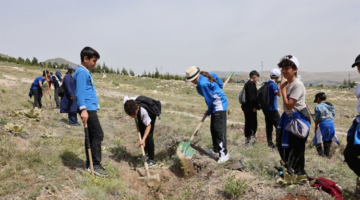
column 272, row 118
column 218, row 132
column 149, row 142
column 96, row 136
column 37, row 98
column 352, row 153
column 294, row 155
column 250, row 122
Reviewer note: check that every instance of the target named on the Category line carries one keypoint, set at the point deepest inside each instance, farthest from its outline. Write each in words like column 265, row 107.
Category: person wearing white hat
column 271, row 113
column 210, row 87
column 290, row 139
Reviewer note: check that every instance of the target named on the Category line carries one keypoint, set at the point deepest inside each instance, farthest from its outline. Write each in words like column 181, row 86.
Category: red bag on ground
column 327, row 186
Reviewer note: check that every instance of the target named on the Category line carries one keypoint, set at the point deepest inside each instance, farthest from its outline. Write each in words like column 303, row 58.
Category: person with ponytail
column 210, row 87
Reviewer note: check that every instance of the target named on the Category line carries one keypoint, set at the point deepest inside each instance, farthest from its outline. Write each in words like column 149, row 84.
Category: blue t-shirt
column 272, row 96
column 35, row 85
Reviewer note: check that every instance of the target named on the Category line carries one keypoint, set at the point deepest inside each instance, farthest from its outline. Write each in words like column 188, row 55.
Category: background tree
column 20, row 60
column 117, row 71
column 98, row 68
column 124, row 72
column 157, row 74
column 131, row 72
column 27, row 61
column 144, row 73
column 34, row 61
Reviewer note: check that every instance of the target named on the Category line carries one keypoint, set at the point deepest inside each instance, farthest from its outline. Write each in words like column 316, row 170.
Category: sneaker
column 253, row 140
column 98, row 171
column 75, row 124
column 211, row 152
column 151, row 163
column 223, row 159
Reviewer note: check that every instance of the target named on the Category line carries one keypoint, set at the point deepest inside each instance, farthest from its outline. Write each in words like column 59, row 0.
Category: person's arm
column 288, row 102
column 218, row 80
column 146, row 133
column 80, row 94
column 316, row 125
column 41, row 86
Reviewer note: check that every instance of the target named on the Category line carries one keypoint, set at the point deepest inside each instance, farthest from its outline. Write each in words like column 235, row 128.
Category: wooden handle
column 142, row 149
column 198, row 127
column 307, row 106
column 227, row 80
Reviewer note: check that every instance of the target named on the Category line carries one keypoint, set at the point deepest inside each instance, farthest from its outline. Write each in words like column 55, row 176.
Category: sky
column 172, row 35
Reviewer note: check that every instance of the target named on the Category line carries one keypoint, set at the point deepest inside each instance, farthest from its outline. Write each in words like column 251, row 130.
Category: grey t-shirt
column 297, row 91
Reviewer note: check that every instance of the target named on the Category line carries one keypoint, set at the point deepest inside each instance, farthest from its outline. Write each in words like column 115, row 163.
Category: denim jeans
column 73, row 118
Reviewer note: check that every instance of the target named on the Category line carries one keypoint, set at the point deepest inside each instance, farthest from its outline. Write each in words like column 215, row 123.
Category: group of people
column 292, row 126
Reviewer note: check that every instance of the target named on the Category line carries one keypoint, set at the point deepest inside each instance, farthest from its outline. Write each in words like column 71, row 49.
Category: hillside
column 315, row 78
column 46, row 159
column 60, row 61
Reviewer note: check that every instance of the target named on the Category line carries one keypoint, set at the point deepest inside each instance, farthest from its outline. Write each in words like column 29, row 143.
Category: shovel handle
column 88, row 147
column 198, row 127
column 307, row 106
column 142, row 149
column 227, row 80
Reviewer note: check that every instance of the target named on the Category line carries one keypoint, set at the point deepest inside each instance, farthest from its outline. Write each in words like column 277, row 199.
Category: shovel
column 87, row 146
column 184, row 150
column 148, row 176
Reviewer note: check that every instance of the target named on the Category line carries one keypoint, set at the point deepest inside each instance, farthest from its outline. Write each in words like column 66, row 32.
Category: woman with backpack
column 210, row 86
column 290, row 138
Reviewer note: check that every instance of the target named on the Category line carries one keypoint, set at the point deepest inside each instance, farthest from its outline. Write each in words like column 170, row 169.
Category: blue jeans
column 73, row 118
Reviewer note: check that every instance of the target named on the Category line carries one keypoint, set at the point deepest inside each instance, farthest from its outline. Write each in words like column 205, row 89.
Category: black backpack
column 263, row 98
column 152, row 106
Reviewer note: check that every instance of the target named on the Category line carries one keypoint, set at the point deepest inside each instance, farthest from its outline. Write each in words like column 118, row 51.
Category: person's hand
column 142, row 143
column 84, row 116
column 254, row 110
column 72, row 98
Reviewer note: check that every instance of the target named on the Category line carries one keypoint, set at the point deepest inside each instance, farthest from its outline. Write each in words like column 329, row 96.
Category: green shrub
column 234, row 188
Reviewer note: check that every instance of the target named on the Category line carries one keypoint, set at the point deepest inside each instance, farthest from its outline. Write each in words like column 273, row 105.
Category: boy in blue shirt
column 87, row 102
column 271, row 113
column 38, row 90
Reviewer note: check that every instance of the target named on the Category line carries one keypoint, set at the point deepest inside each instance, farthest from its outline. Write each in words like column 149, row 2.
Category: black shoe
column 98, row 170
column 75, row 124
column 151, row 163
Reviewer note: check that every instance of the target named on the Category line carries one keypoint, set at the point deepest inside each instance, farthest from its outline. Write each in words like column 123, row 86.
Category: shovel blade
column 184, row 150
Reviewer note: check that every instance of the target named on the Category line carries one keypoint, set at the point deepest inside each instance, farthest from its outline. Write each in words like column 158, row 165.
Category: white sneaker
column 223, row 159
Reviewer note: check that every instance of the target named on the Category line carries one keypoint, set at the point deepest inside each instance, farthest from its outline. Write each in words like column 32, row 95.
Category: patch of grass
column 3, row 121
column 233, row 188
column 3, row 91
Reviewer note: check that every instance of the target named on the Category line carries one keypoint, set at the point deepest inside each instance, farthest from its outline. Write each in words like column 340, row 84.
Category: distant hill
column 315, row 78
column 4, row 56
column 60, row 61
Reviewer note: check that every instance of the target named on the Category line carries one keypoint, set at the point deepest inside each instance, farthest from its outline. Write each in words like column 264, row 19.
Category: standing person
column 58, row 74
column 146, row 123
column 68, row 101
column 57, row 84
column 324, row 125
column 250, row 108
column 290, row 139
column 38, row 90
column 210, row 89
column 271, row 113
column 352, row 150
column 88, row 104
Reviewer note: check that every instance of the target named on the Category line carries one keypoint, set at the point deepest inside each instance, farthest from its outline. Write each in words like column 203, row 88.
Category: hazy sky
column 174, row 34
